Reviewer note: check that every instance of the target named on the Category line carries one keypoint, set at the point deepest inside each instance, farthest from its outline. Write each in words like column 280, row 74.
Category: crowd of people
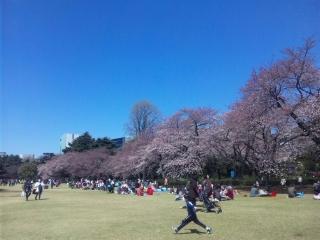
column 124, row 187
column 294, row 189
column 207, row 192
column 210, row 194
column 9, row 182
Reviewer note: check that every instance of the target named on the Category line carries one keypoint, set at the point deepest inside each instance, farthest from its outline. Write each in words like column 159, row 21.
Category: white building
column 3, row 154
column 25, row 157
column 66, row 139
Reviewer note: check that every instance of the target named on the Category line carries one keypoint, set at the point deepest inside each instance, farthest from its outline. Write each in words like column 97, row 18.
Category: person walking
column 51, row 183
column 206, row 193
column 166, row 182
column 190, row 197
column 27, row 187
column 300, row 186
column 38, row 189
column 283, row 183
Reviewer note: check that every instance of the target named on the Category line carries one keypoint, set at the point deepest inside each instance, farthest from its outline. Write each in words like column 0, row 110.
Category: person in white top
column 38, row 187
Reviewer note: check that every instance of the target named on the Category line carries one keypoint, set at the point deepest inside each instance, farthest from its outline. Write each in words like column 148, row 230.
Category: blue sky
column 75, row 65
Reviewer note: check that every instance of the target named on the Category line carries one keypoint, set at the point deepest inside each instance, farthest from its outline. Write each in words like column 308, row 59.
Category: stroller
column 210, row 204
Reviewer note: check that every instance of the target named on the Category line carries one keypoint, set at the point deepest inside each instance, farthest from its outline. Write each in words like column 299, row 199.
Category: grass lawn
column 76, row 214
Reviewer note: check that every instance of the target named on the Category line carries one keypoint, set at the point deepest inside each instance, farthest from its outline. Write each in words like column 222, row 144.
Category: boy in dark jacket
column 190, row 197
column 27, row 187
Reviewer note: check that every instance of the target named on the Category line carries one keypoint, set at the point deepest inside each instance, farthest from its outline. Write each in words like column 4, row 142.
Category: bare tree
column 143, row 119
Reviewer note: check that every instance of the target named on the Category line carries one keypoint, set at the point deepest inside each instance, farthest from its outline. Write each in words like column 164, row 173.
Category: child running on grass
column 190, row 197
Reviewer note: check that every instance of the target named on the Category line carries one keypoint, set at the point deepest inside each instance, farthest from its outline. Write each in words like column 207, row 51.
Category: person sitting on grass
column 229, row 193
column 216, row 193
column 140, row 190
column 292, row 193
column 110, row 186
column 150, row 190
column 85, row 185
column 125, row 188
column 172, row 190
column 263, row 193
column 226, row 193
column 254, row 192
column 137, row 186
column 179, row 194
column 316, row 190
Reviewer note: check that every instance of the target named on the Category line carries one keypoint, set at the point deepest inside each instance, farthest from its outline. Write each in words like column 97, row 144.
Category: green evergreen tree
column 80, row 144
column 28, row 170
column 86, row 142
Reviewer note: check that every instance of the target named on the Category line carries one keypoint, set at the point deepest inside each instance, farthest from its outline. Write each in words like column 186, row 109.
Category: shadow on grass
column 33, row 200
column 10, row 196
column 9, row 190
column 298, row 235
column 198, row 208
column 43, row 199
column 212, row 211
column 193, row 231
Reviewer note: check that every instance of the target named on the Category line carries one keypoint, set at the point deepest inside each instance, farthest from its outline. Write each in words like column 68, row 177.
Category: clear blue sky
column 80, row 65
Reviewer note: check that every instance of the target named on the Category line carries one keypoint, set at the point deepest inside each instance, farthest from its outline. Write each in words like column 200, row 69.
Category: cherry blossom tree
column 91, row 163
column 292, row 86
column 179, row 143
column 129, row 161
column 276, row 120
column 278, row 115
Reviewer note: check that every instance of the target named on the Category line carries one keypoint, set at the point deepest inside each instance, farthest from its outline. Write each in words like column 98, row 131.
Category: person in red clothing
column 140, row 190
column 150, row 190
column 230, row 193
